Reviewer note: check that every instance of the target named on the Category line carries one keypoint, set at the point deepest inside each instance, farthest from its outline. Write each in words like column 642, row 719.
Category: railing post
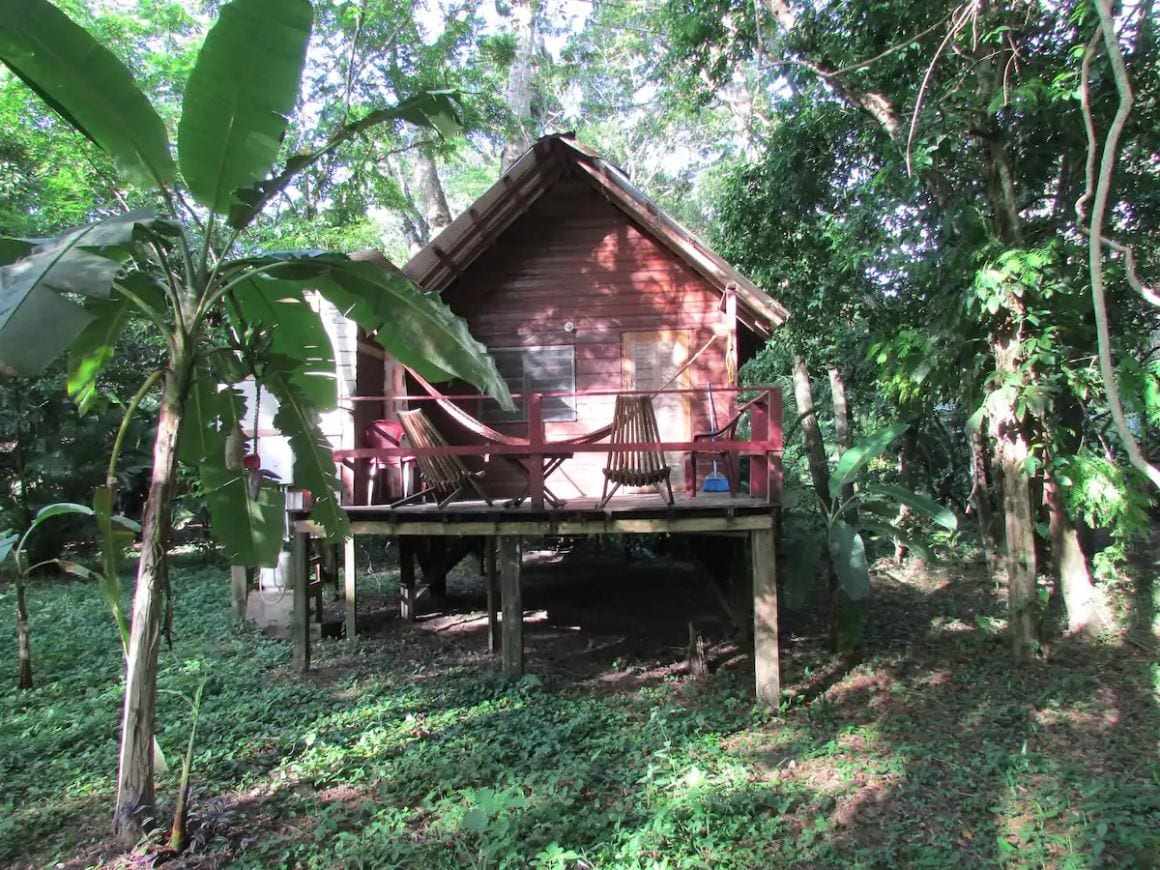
column 759, row 462
column 535, row 445
column 775, row 435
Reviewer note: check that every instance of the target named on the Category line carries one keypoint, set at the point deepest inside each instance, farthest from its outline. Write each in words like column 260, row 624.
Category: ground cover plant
column 406, row 749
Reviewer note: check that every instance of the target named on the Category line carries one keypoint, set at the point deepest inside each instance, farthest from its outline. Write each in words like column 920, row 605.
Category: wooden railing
column 763, row 447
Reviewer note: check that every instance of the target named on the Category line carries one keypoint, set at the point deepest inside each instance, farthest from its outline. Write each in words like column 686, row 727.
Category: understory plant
column 870, row 510
column 224, row 314
column 14, row 552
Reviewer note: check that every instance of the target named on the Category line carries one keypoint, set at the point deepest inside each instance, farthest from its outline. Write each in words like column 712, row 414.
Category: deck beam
column 451, row 526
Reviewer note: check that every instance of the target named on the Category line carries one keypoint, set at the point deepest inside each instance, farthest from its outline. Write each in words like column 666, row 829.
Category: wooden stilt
column 407, row 609
column 350, row 587
column 239, row 590
column 300, row 624
column 513, row 611
column 436, row 580
column 766, row 655
column 318, row 580
column 491, row 582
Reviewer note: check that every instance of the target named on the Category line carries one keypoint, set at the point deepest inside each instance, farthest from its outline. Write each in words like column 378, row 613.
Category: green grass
column 404, row 751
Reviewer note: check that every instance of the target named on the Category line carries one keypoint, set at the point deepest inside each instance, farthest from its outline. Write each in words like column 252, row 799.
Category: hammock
column 478, row 427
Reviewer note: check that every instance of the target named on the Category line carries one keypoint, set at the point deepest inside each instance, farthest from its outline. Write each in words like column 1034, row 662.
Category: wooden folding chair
column 635, row 422
column 445, row 475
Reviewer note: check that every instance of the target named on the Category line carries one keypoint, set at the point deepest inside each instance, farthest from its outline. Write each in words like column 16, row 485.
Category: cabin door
column 649, row 361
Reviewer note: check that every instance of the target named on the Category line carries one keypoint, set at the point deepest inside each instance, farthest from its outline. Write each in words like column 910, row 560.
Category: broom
column 715, row 481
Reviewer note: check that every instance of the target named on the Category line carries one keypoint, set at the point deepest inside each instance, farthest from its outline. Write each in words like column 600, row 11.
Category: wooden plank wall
column 575, row 257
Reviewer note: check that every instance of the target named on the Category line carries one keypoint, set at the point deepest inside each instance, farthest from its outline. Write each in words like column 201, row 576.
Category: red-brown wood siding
column 576, row 257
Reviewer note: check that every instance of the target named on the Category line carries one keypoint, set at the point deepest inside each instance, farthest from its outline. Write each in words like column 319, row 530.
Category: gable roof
column 451, row 252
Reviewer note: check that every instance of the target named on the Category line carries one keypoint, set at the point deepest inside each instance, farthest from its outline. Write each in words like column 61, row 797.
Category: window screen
column 536, row 370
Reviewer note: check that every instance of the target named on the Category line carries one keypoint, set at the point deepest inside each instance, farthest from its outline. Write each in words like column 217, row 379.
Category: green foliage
column 233, row 120
column 240, row 96
column 844, row 521
column 88, row 86
column 1102, row 494
column 411, row 753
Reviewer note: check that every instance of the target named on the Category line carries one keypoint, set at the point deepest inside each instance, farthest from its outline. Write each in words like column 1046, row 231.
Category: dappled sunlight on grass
column 408, row 748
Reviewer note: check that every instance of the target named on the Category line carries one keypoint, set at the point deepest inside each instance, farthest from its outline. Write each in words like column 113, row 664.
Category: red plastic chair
column 384, row 434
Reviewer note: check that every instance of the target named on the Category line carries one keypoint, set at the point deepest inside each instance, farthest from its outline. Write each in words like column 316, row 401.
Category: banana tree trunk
column 23, row 643
column 135, row 793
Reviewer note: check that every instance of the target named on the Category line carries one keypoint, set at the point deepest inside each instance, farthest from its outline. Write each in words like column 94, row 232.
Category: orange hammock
column 478, row 427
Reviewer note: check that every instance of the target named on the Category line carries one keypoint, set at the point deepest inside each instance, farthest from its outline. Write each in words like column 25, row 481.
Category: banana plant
column 871, row 512
column 223, row 316
column 14, row 550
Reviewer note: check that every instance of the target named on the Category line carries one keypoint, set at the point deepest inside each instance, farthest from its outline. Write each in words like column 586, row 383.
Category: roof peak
column 550, row 157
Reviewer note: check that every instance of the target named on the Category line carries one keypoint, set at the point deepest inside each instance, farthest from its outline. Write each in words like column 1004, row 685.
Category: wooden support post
column 350, row 587
column 300, row 623
column 435, row 570
column 316, row 583
column 766, row 655
column 491, row 582
column 407, row 609
column 239, row 590
column 535, row 442
column 513, row 608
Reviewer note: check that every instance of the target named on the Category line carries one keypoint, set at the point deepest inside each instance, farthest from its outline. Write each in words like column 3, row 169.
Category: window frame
column 490, row 412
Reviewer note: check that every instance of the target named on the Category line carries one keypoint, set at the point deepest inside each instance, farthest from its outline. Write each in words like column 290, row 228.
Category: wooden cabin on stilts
column 620, row 335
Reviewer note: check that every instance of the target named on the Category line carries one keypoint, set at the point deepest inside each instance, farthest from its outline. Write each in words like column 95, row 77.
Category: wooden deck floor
column 628, row 514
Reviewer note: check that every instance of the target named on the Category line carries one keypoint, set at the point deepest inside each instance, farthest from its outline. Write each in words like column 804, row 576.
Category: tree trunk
column 23, row 641
column 841, row 424
column 1012, row 450
column 846, row 617
column 135, row 794
column 906, row 472
column 815, row 447
column 1086, row 608
column 435, row 209
column 981, row 495
column 519, row 84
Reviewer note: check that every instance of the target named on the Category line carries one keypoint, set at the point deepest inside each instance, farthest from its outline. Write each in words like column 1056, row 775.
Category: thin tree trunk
column 23, row 639
column 435, row 208
column 135, row 791
column 1012, row 450
column 845, row 616
column 906, row 472
column 841, row 424
column 815, row 447
column 519, row 84
column 981, row 495
column 1086, row 608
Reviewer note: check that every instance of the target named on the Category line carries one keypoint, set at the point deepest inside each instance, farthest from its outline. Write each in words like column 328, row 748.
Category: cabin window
column 536, row 370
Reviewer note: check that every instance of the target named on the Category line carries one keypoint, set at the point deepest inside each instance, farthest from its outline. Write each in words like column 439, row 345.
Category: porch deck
column 627, row 514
